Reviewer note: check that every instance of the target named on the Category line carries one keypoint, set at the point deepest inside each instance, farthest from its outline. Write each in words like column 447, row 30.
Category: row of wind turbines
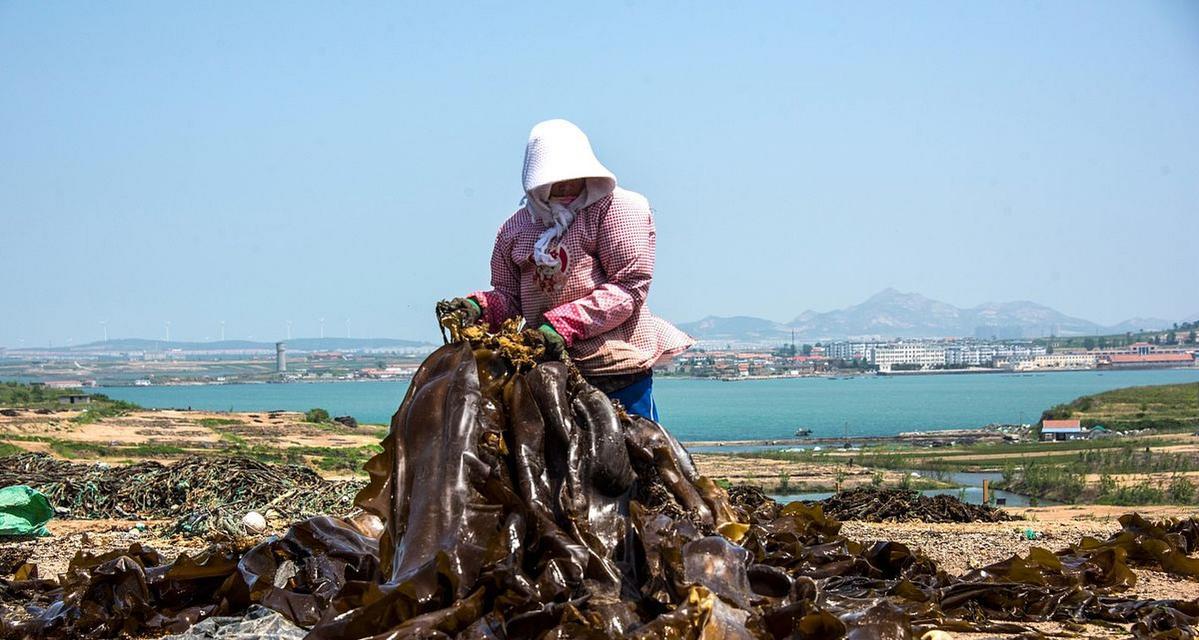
column 286, row 324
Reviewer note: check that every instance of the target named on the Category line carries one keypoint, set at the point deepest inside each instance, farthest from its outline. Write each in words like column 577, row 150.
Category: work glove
column 471, row 311
column 555, row 344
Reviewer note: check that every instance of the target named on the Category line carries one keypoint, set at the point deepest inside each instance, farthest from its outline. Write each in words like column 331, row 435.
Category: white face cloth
column 557, row 151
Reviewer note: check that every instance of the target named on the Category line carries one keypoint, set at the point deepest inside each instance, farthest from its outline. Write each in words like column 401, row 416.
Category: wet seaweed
column 869, row 504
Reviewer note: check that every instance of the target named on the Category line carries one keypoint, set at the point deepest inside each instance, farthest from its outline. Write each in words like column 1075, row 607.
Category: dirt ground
column 767, row 473
column 208, row 432
column 193, row 431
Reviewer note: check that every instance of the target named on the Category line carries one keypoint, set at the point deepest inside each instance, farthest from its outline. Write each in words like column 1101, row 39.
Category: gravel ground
column 957, row 548
column 961, row 547
column 54, row 553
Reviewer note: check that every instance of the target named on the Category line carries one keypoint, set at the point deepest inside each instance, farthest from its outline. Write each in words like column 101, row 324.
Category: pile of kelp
column 200, row 493
column 906, row 505
column 513, row 500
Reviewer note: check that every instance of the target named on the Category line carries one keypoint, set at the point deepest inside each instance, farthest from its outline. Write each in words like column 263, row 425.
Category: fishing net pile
column 201, row 494
column 513, row 500
column 906, row 505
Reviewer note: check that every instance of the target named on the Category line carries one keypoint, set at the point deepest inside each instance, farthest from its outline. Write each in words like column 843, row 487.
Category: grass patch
column 7, row 449
column 1166, row 407
column 102, row 407
column 350, row 459
column 72, row 450
column 317, row 415
column 232, row 438
column 957, row 458
column 1064, row 478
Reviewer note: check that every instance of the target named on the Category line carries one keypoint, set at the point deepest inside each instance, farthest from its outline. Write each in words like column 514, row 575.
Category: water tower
column 280, row 358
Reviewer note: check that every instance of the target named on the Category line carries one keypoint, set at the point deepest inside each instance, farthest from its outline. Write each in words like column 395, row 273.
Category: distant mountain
column 1140, row 324
column 297, row 344
column 894, row 314
column 736, row 329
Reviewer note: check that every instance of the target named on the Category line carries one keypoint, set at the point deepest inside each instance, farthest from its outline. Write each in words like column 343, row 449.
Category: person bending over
column 577, row 261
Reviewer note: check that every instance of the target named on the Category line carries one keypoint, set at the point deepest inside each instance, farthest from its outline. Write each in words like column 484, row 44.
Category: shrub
column 1181, row 490
column 317, row 415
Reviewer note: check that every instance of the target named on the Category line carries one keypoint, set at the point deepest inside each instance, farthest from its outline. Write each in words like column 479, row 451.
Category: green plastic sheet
column 24, row 512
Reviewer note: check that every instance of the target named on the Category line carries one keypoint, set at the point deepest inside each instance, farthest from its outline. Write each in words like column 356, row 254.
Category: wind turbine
column 222, row 330
column 168, row 323
column 322, row 328
column 288, row 329
column 347, row 327
column 104, row 324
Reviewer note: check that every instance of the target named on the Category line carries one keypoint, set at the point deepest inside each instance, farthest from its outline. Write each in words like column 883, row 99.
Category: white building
column 1066, row 360
column 909, row 354
column 969, row 355
column 848, row 350
column 985, row 355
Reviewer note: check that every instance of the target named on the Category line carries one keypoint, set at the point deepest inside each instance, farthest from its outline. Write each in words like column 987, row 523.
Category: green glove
column 470, row 309
column 555, row 344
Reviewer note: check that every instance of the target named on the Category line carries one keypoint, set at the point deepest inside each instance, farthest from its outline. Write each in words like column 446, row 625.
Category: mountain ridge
column 895, row 314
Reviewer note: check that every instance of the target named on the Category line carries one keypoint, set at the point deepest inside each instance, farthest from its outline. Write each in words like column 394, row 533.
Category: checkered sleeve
column 503, row 300
column 626, row 246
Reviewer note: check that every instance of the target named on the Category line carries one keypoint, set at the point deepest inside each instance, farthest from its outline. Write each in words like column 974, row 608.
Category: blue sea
column 741, row 410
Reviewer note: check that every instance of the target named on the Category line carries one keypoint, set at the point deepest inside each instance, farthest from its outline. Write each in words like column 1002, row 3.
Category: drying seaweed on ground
column 904, row 505
column 203, row 494
column 514, row 501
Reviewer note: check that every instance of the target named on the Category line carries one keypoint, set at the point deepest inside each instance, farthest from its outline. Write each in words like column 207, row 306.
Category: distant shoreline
column 928, row 372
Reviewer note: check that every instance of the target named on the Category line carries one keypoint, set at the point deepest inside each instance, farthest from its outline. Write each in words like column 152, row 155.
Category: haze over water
column 714, row 410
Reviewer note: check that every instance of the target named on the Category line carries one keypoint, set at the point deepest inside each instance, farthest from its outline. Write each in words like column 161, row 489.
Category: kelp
column 513, row 500
column 869, row 504
column 204, row 495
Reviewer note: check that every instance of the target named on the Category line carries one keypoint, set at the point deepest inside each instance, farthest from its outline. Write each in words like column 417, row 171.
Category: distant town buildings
column 917, row 356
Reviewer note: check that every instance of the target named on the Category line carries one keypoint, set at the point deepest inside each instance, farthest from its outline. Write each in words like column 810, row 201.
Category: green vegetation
column 73, row 449
column 1180, row 490
column 26, row 396
column 317, row 415
column 7, row 449
column 37, row 396
column 103, row 407
column 344, row 460
column 1066, row 480
column 1168, row 407
column 943, row 461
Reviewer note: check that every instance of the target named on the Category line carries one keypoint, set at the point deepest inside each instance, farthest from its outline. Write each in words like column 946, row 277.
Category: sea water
column 741, row 410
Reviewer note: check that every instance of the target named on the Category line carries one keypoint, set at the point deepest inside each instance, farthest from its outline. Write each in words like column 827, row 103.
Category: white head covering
column 558, row 151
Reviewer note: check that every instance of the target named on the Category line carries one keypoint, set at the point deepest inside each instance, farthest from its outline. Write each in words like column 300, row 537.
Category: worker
column 576, row 261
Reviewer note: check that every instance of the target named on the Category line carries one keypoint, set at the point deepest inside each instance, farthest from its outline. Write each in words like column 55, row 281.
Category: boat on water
column 802, row 433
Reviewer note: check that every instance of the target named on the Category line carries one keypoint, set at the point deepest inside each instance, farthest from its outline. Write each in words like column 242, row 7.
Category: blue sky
column 262, row 162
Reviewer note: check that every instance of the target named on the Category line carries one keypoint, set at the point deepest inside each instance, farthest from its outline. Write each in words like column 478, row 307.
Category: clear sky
column 260, row 162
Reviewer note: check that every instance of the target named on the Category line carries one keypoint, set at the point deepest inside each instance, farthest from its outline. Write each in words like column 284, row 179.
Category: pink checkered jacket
column 596, row 300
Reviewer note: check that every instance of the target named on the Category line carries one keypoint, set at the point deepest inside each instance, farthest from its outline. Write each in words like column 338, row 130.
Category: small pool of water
column 970, row 495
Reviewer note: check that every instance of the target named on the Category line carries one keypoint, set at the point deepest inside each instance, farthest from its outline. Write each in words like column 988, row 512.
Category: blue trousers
column 638, row 398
